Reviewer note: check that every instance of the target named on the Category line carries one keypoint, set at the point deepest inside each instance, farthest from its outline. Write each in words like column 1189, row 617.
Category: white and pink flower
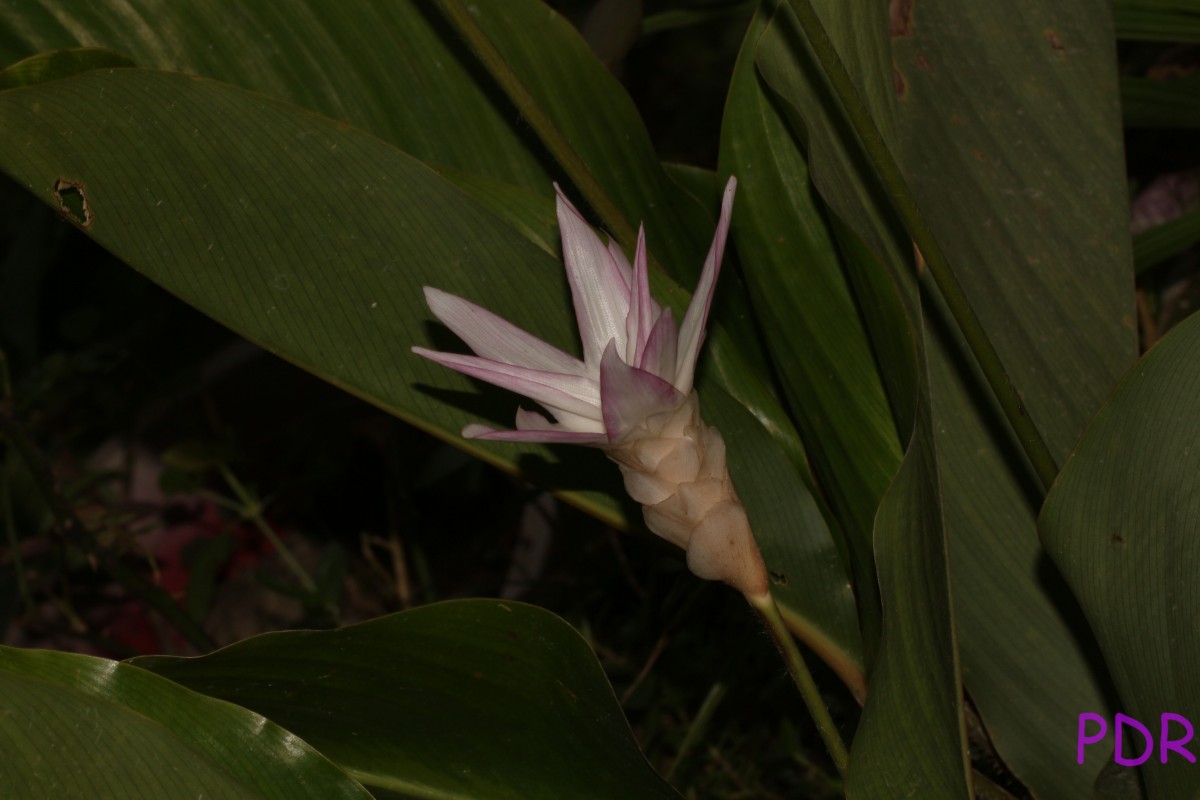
column 630, row 395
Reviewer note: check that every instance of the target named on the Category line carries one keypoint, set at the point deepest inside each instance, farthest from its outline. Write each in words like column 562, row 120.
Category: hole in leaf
column 72, row 202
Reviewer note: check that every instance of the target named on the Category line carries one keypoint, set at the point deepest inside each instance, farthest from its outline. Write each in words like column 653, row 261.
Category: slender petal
column 629, row 395
column 572, row 393
column 618, row 257
column 497, row 339
column 532, row 437
column 599, row 291
column 642, row 308
column 659, row 356
column 533, row 421
column 691, row 331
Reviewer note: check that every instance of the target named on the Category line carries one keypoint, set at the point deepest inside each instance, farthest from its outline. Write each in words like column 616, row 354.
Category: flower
column 631, row 394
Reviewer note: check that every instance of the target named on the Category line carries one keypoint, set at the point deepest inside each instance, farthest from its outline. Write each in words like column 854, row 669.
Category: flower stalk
column 768, row 612
column 632, row 396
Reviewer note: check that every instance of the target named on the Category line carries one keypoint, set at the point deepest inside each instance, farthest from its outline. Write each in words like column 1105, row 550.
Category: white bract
column 631, row 395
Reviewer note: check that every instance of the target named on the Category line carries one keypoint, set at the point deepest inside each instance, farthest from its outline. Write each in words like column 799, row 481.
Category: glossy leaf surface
column 326, row 271
column 462, row 699
column 398, row 71
column 81, row 727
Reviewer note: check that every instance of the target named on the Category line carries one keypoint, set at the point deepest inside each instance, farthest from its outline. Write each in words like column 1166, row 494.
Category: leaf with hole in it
column 464, row 699
column 81, row 727
column 315, row 239
column 1121, row 524
column 306, row 236
column 400, row 72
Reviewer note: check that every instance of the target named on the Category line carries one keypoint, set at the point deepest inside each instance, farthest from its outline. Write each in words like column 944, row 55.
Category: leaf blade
column 463, row 699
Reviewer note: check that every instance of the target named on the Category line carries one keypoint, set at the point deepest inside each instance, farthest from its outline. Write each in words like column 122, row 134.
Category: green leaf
column 996, row 120
column 316, row 249
column 1121, row 524
column 808, row 577
column 911, row 738
column 387, row 68
column 463, row 699
column 911, row 741
column 807, row 313
column 59, row 64
column 599, row 121
column 703, row 184
column 435, row 103
column 1170, row 103
column 1157, row 20
column 399, row 72
column 1155, row 245
column 81, row 727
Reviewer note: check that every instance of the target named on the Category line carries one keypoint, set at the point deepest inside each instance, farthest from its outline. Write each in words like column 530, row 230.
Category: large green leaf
column 388, row 68
column 463, row 699
column 807, row 313
column 318, row 251
column 80, row 727
column 306, row 236
column 911, row 741
column 996, row 119
column 396, row 70
column 1121, row 524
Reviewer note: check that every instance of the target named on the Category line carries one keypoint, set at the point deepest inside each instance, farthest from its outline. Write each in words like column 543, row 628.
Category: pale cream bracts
column 674, row 465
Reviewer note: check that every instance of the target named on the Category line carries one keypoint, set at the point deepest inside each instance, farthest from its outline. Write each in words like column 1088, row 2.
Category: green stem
column 699, row 724
column 493, row 60
column 75, row 533
column 939, row 267
column 252, row 510
column 765, row 606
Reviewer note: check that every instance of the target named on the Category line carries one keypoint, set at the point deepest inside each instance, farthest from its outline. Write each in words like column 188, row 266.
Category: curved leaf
column 305, row 236
column 600, row 122
column 1121, row 524
column 398, row 71
column 81, row 727
column 807, row 313
column 58, row 64
column 462, row 699
column 317, row 249
column 388, row 68
column 996, row 120
column 911, row 741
